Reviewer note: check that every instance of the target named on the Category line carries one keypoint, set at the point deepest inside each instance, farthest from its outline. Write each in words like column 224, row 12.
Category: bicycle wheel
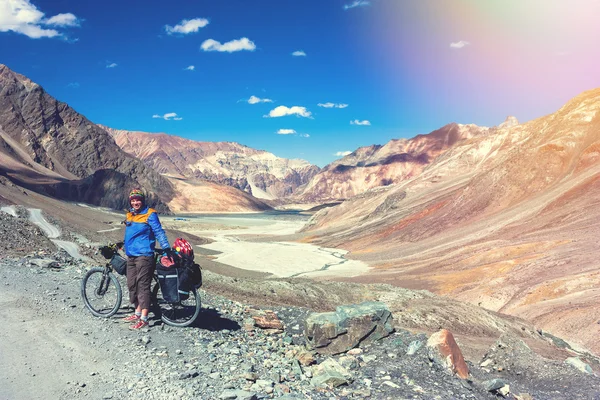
column 101, row 292
column 182, row 313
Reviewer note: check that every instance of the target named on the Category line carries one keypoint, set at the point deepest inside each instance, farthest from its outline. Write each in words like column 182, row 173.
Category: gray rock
column 347, row 327
column 494, row 384
column 330, row 373
column 238, row 395
column 413, row 347
column 580, row 365
column 44, row 263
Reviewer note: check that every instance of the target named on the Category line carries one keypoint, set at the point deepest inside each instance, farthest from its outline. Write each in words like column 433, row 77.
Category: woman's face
column 136, row 204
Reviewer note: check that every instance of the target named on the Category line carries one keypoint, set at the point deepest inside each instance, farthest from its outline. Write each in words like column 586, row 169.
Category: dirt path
column 46, row 355
column 35, row 216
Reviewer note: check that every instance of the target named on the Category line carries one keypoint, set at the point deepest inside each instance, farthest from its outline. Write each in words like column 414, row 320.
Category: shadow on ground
column 210, row 319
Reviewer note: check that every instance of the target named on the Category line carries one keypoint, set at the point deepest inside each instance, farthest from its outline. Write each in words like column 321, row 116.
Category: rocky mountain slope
column 507, row 220
column 257, row 172
column 375, row 166
column 46, row 145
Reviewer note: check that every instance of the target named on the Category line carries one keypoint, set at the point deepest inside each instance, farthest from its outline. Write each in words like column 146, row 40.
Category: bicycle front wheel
column 101, row 292
column 180, row 314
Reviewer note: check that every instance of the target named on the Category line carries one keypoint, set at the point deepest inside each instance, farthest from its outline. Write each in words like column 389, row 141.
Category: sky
column 311, row 79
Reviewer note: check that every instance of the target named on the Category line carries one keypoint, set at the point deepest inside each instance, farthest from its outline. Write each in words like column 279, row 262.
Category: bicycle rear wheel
column 180, row 314
column 101, row 292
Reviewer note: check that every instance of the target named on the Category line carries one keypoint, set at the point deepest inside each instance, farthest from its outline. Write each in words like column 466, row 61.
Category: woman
column 142, row 229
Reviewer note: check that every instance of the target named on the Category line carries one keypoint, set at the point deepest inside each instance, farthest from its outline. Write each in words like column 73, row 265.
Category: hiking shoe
column 131, row 318
column 139, row 325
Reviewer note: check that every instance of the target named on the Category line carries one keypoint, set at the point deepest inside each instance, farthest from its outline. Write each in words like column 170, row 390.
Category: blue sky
column 364, row 71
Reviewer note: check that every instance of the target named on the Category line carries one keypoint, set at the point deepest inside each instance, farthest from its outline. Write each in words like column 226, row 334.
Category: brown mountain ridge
column 49, row 147
column 508, row 220
column 257, row 172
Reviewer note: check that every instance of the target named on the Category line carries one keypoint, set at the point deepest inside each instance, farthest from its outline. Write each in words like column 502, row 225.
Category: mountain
column 257, row 172
column 508, row 220
column 374, row 166
column 47, row 146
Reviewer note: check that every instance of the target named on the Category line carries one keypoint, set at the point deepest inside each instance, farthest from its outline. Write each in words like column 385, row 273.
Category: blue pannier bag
column 168, row 279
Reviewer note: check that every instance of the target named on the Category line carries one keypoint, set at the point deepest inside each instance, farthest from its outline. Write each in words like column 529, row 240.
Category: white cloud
column 255, row 100
column 190, row 68
column 229, row 47
column 22, row 17
column 111, row 65
column 304, row 135
column 282, row 111
column 459, row 44
column 286, row 132
column 299, row 53
column 168, row 117
column 73, row 85
column 342, row 153
column 187, row 26
column 356, row 3
column 67, row 19
column 357, row 122
column 332, row 105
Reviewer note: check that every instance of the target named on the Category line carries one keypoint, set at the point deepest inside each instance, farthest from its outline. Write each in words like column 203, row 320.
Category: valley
column 503, row 219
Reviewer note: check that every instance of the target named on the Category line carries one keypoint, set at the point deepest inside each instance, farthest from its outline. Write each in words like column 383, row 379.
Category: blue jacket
column 141, row 232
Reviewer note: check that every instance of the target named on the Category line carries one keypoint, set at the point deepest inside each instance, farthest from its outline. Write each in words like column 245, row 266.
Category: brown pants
column 139, row 278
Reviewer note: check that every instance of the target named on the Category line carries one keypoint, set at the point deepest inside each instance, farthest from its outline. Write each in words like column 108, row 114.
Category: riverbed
column 232, row 246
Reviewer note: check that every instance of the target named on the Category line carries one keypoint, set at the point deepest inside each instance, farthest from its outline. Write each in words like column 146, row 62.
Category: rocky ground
column 56, row 349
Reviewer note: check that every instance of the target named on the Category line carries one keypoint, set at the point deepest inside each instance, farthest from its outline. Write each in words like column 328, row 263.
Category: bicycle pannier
column 119, row 264
column 168, row 279
column 190, row 276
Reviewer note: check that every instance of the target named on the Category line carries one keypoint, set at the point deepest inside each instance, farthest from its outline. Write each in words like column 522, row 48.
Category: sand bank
column 282, row 259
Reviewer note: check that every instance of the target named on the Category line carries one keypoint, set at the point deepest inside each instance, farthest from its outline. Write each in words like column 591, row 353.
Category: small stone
column 267, row 319
column 251, row 376
column 494, row 384
column 305, row 357
column 330, row 373
column 354, row 352
column 391, row 384
column 413, row 347
column 504, row 390
column 486, row 362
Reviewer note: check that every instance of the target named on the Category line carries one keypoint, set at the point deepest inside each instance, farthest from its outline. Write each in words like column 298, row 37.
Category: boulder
column 347, row 327
column 444, row 351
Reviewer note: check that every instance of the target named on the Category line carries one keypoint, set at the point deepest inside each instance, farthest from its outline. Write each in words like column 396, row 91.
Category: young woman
column 142, row 230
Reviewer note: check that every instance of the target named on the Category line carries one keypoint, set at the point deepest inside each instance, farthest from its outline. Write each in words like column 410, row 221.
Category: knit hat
column 137, row 194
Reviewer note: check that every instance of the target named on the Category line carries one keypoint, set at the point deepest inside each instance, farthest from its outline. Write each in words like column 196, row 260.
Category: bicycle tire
column 103, row 298
column 180, row 314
